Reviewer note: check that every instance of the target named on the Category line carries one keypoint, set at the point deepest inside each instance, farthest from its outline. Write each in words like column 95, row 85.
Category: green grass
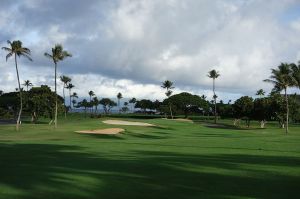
column 172, row 160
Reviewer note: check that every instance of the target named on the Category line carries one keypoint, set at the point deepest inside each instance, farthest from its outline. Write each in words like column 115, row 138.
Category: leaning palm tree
column 168, row 85
column 27, row 83
column 260, row 93
column 214, row 75
column 57, row 54
column 70, row 86
column 91, row 94
column 17, row 50
column 282, row 79
column 65, row 80
column 119, row 96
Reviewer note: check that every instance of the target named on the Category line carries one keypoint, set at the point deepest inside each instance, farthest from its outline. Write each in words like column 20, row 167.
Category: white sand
column 109, row 131
column 180, row 120
column 122, row 122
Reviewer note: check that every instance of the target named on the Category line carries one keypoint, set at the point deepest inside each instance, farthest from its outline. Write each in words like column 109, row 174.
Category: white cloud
column 131, row 46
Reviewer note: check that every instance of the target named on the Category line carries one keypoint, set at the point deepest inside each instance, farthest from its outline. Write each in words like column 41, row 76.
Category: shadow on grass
column 143, row 135
column 61, row 171
column 225, row 126
column 102, row 136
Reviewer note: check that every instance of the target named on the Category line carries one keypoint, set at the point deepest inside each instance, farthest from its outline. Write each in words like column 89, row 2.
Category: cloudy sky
column 131, row 46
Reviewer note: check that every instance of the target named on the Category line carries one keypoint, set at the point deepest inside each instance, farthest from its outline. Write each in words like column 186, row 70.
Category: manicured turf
column 172, row 160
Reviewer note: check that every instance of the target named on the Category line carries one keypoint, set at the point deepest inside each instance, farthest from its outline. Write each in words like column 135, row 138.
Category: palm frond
column 27, row 56
column 9, row 55
column 48, row 55
column 6, row 49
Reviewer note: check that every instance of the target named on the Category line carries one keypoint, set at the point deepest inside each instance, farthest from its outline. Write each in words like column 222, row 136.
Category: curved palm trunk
column 55, row 119
column 20, row 93
column 287, row 112
column 215, row 101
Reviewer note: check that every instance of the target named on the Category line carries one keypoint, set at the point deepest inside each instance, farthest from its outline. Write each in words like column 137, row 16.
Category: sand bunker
column 121, row 122
column 183, row 120
column 180, row 119
column 109, row 131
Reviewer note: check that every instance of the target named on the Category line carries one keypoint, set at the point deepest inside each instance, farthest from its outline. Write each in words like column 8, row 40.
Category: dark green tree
column 282, row 78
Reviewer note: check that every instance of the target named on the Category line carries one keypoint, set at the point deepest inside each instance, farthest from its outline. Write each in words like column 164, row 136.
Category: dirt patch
column 122, row 122
column 109, row 131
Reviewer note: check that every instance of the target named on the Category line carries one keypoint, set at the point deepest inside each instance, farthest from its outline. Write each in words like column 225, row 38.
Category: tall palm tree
column 132, row 101
column 96, row 102
column 17, row 50
column 27, row 83
column 168, row 85
column 91, row 94
column 65, row 80
column 282, row 79
column 119, row 96
column 74, row 95
column 70, row 86
column 260, row 93
column 74, row 102
column 214, row 75
column 58, row 54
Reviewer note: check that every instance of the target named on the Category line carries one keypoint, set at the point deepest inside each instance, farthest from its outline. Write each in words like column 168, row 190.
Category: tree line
column 273, row 107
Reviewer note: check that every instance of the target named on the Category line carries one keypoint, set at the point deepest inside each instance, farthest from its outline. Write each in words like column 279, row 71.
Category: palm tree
column 214, row 75
column 74, row 95
column 17, row 50
column 296, row 73
column 65, row 80
column 91, row 93
column 74, row 102
column 260, row 93
column 58, row 54
column 70, row 86
column 132, row 101
column 96, row 102
column 168, row 85
column 27, row 83
column 282, row 79
column 119, row 96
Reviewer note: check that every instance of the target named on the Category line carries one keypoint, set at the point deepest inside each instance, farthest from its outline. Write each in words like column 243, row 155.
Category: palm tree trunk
column 20, row 93
column 65, row 100
column 215, row 100
column 91, row 108
column 171, row 110
column 287, row 111
column 70, row 99
column 55, row 119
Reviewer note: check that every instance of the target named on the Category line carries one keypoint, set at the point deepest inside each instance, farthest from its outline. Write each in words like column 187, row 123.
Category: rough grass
column 171, row 160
